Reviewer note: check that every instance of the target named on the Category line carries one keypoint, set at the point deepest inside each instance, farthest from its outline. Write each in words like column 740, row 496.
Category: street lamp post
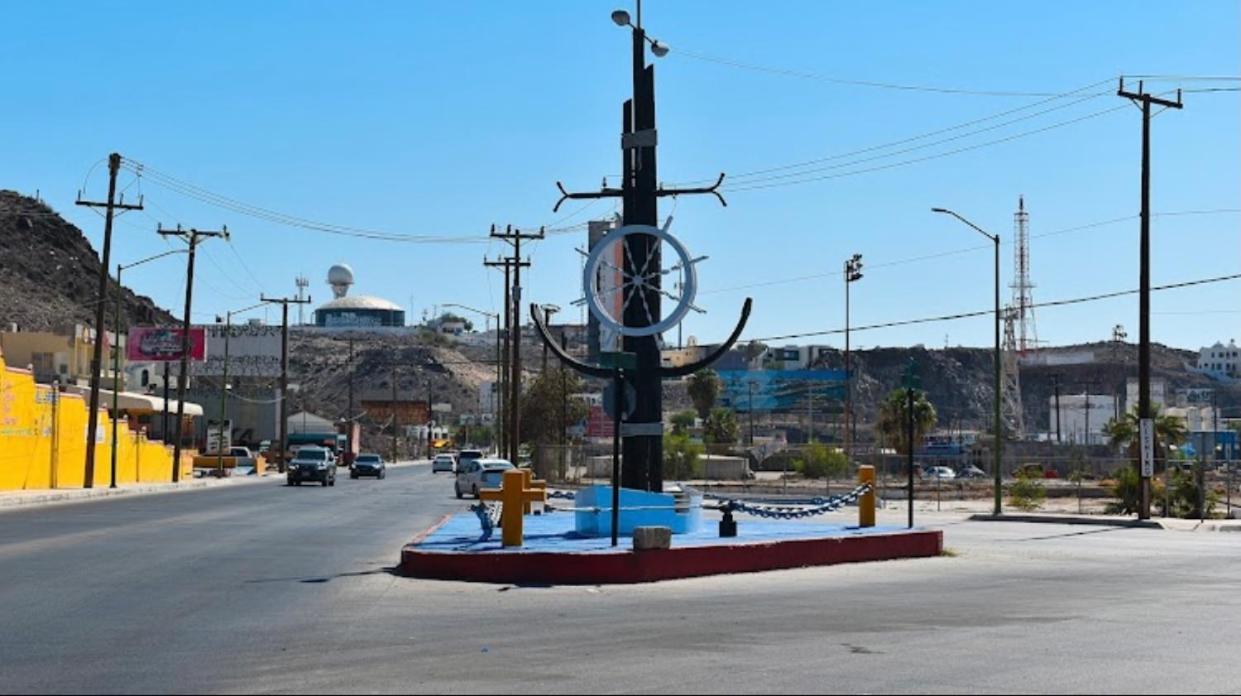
column 853, row 273
column 116, row 354
column 998, row 424
column 228, row 334
column 497, row 422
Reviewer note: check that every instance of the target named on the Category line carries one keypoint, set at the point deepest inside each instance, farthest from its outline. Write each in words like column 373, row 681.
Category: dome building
column 357, row 310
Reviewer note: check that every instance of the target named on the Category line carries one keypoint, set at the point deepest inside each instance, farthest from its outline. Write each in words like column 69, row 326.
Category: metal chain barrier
column 819, row 506
column 563, row 495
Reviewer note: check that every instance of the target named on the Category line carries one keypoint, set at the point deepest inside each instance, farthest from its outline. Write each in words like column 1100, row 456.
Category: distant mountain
column 49, row 273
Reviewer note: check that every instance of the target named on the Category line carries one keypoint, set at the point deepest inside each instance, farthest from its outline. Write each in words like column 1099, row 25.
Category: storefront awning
column 134, row 402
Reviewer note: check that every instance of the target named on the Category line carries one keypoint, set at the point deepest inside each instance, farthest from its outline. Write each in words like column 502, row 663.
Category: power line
column 807, row 75
column 955, row 252
column 988, row 312
column 754, row 186
column 913, row 138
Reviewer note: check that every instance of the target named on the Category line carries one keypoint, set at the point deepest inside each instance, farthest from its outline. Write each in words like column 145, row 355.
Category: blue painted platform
column 554, row 533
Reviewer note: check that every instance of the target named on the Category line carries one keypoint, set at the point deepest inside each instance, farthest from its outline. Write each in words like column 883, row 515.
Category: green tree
column 720, row 427
column 1027, row 493
column 1123, row 433
column 704, row 389
column 893, row 418
column 542, row 401
column 682, row 421
column 817, row 460
column 681, row 457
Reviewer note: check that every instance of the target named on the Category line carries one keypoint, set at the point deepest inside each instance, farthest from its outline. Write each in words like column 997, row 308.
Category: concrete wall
column 43, row 441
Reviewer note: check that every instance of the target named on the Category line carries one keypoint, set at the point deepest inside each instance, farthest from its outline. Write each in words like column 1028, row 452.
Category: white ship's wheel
column 603, row 282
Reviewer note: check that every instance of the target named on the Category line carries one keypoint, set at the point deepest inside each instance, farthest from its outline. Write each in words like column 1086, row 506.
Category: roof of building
column 355, row 302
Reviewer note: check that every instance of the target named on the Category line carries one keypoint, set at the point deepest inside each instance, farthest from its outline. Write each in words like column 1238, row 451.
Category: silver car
column 443, row 462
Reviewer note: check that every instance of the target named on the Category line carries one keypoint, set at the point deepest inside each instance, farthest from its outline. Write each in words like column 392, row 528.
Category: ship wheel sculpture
column 607, row 298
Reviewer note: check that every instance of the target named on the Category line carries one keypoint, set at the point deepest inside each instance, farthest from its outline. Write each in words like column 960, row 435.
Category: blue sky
column 443, row 118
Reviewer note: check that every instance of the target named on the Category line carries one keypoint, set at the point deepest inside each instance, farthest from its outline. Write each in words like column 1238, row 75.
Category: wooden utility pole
column 1145, row 413
column 191, row 237
column 284, row 371
column 110, row 207
column 513, row 320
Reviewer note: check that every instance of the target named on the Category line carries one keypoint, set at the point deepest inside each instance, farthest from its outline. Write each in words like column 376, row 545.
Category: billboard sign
column 163, row 344
column 780, row 391
column 253, row 351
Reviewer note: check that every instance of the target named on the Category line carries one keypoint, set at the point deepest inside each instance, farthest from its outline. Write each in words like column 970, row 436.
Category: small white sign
column 1147, row 455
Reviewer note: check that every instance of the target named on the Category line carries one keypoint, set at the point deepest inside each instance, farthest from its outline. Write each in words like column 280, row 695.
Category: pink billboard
column 163, row 344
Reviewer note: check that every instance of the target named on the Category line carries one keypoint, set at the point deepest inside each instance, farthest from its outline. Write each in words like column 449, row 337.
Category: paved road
column 263, row 588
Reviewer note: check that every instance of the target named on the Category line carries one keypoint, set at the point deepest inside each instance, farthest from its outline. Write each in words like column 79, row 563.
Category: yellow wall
column 43, row 441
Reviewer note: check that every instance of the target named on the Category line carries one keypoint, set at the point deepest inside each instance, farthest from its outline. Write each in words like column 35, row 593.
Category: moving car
column 467, row 455
column 312, row 464
column 477, row 474
column 367, row 464
column 443, row 462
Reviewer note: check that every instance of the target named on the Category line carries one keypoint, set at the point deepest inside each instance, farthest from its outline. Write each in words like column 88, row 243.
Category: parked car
column 971, row 472
column 1035, row 471
column 367, row 464
column 312, row 464
column 941, row 473
column 477, row 474
column 467, row 455
column 443, row 462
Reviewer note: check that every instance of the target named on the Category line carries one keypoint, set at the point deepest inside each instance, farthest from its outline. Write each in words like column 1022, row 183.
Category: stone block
column 652, row 538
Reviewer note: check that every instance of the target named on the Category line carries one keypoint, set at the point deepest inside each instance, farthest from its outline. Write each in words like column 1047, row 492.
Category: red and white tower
column 1023, row 300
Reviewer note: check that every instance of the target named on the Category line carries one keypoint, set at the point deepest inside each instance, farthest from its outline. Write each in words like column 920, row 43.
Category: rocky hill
column 49, row 273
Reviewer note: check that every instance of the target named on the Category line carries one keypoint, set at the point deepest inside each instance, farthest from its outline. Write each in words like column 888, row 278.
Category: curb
column 1068, row 519
column 632, row 567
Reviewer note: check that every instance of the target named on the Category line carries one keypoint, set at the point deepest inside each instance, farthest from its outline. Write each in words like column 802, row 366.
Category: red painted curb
column 628, row 567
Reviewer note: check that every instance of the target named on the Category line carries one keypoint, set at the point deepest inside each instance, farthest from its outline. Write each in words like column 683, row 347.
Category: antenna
column 302, row 283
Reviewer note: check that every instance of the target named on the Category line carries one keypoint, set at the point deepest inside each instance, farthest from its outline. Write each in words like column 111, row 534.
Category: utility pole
column 514, row 237
column 502, row 429
column 430, row 414
column 284, row 370
column 394, row 418
column 853, row 273
column 191, row 237
column 1055, row 381
column 96, row 364
column 349, row 424
column 1145, row 413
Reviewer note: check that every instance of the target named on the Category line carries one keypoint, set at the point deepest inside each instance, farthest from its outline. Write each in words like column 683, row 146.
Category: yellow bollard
column 513, row 496
column 866, row 501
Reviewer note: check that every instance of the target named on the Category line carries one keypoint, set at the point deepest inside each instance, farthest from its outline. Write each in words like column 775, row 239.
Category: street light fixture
column 116, row 355
column 621, row 18
column 998, row 425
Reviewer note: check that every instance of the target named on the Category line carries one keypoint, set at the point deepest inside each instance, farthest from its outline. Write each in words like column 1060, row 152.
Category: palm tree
column 894, row 418
column 1123, row 433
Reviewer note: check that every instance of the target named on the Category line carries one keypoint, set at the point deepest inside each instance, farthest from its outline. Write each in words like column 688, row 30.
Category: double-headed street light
column 499, row 422
column 621, row 18
column 998, row 424
column 116, row 354
column 853, row 273
column 228, row 334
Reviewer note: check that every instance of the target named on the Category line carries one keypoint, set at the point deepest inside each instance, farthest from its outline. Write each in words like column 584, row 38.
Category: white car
column 941, row 473
column 477, row 474
column 443, row 462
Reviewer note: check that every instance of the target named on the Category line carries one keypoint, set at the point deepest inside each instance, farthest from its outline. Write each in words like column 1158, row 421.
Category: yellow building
column 43, row 439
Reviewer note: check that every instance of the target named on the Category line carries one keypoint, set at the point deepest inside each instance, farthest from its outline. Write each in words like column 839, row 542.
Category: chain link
column 819, row 506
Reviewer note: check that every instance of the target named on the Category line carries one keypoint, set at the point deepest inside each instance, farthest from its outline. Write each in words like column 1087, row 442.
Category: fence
column 970, row 486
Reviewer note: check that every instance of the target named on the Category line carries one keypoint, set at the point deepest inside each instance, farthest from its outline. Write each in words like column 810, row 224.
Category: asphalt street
column 263, row 588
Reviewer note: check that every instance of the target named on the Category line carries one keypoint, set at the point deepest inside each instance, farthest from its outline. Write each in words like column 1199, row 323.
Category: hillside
column 49, row 273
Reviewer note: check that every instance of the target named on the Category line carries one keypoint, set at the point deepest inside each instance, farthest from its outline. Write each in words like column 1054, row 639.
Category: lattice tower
column 1022, row 286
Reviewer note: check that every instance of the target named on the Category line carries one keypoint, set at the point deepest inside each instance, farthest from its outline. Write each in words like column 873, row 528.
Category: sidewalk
column 13, row 500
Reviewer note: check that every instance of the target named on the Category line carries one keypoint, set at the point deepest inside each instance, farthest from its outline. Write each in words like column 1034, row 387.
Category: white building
column 1082, row 417
column 1221, row 361
column 1159, row 393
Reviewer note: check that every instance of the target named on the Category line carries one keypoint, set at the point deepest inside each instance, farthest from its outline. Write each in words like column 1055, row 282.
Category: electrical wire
column 985, row 312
